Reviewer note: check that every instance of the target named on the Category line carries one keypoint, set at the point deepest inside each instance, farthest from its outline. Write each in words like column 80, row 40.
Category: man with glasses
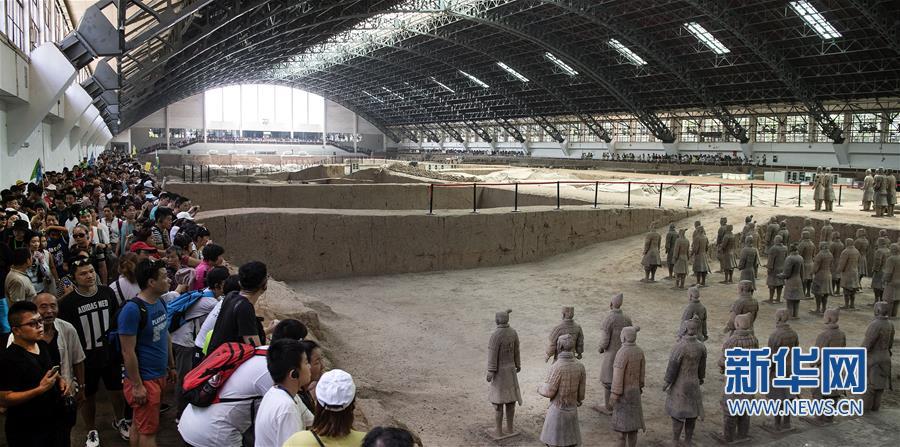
column 91, row 308
column 30, row 385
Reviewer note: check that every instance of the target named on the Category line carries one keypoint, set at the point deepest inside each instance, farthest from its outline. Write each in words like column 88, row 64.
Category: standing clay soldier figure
column 610, row 330
column 627, row 386
column 748, row 262
column 830, row 337
column 737, row 427
column 878, row 343
column 749, row 228
column 821, row 272
column 836, row 247
column 829, row 190
column 782, row 336
column 880, row 189
column 891, row 183
column 726, row 255
column 695, row 309
column 723, row 223
column 882, row 253
column 882, row 234
column 503, row 365
column 684, row 375
column 825, row 232
column 807, row 250
column 848, row 265
column 819, row 188
column 793, row 281
column 566, row 326
column 774, row 266
column 890, row 277
column 745, row 304
column 862, row 244
column 808, row 227
column 671, row 237
column 771, row 231
column 699, row 249
column 681, row 257
column 784, row 232
column 650, row 259
column 565, row 388
column 868, row 191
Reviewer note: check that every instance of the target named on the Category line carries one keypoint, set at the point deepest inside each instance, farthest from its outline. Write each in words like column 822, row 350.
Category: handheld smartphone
column 55, row 369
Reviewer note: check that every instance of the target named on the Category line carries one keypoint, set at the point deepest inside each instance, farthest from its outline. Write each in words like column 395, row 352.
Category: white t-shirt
column 129, row 289
column 280, row 415
column 196, row 315
column 208, row 325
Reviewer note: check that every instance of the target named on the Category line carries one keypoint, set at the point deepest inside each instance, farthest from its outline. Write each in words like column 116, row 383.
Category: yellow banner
column 147, row 166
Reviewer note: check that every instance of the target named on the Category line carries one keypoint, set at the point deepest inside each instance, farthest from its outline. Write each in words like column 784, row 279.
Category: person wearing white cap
column 336, row 396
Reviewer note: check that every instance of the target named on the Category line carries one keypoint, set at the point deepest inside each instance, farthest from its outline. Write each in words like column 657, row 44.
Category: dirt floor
column 417, row 342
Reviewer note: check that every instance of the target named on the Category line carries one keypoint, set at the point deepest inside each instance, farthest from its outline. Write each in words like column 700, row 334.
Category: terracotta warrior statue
column 671, row 237
column 829, row 190
column 650, row 259
column 808, row 227
column 771, row 231
column 819, row 188
column 699, row 249
column 891, row 184
column 565, row 389
column 748, row 262
column 749, row 228
column 837, row 247
column 830, row 337
column 868, row 191
column 890, row 277
column 862, row 244
column 807, row 249
column 745, row 304
column 610, row 331
column 737, row 427
column 882, row 234
column 566, row 326
column 726, row 256
column 627, row 386
column 694, row 309
column 880, row 188
column 793, row 281
column 723, row 223
column 878, row 342
column 782, row 336
column 684, row 375
column 848, row 265
column 821, row 282
column 774, row 266
column 784, row 232
column 681, row 257
column 503, row 365
column 825, row 232
column 879, row 259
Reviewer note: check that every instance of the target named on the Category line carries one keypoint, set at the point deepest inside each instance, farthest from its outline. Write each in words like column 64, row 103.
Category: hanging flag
column 91, row 160
column 38, row 172
column 133, row 150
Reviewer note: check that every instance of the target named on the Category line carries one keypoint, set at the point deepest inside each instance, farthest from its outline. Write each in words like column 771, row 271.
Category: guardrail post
column 660, row 196
column 690, row 187
column 720, row 195
column 183, row 173
column 799, row 193
column 208, row 169
column 628, row 204
column 840, row 193
column 474, row 198
column 751, row 194
column 775, row 203
column 516, row 199
column 557, row 195
column 596, row 190
column 192, row 173
column 431, row 199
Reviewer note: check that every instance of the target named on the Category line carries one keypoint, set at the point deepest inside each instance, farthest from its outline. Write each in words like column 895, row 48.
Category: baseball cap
column 335, row 390
column 184, row 215
column 141, row 245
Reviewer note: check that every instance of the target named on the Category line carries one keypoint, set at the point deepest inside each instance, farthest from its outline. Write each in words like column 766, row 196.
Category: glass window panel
column 231, row 103
column 249, row 105
column 283, row 105
column 865, row 128
column 301, row 111
column 266, row 104
column 316, row 109
column 213, row 105
column 767, row 129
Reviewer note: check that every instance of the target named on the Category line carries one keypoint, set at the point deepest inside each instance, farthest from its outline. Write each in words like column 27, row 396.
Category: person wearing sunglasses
column 30, row 385
column 81, row 236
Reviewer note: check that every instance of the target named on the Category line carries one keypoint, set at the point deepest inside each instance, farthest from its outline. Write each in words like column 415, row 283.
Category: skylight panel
column 514, row 73
column 562, row 65
column 474, row 79
column 814, row 19
column 706, row 38
column 627, row 53
column 442, row 85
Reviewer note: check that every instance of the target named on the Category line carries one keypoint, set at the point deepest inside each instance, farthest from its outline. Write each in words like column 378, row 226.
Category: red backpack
column 201, row 385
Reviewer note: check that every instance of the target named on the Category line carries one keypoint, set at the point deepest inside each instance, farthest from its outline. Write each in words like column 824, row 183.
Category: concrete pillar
column 49, row 75
column 324, row 122
column 355, row 131
column 75, row 105
column 291, row 127
column 166, row 122
column 204, row 117
column 241, row 110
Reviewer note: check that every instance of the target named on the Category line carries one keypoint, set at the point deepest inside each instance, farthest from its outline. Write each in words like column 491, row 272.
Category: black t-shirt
column 237, row 319
column 91, row 316
column 54, row 349
column 23, row 371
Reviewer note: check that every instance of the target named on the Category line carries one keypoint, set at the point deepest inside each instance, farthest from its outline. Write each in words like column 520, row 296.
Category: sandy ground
column 417, row 342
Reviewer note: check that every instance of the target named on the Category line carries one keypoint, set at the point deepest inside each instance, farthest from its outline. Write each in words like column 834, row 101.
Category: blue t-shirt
column 152, row 342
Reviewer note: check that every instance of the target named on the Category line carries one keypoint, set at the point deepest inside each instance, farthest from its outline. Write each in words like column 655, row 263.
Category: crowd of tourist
column 108, row 278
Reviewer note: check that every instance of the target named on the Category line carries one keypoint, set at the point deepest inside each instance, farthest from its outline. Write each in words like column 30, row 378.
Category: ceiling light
column 475, row 80
column 562, row 65
column 514, row 73
column 624, row 51
column 814, row 19
column 373, row 96
column 442, row 85
column 706, row 38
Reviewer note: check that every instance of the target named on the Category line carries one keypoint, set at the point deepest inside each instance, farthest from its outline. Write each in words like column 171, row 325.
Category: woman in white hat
column 336, row 395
